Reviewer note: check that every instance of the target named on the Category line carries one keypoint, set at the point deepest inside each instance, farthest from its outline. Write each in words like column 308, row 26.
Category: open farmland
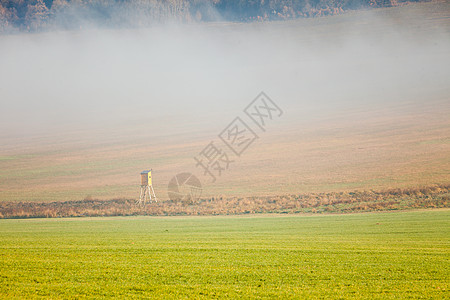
column 383, row 125
column 393, row 147
column 333, row 183
column 361, row 256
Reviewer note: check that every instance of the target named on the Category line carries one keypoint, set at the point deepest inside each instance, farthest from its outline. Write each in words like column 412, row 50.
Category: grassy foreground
column 380, row 255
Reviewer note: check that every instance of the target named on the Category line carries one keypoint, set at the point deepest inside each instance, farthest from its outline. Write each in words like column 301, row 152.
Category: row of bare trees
column 436, row 196
column 32, row 15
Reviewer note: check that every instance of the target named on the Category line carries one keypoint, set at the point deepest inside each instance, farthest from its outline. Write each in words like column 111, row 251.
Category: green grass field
column 380, row 255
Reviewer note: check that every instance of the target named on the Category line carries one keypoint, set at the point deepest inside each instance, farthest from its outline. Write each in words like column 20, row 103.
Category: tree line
column 34, row 15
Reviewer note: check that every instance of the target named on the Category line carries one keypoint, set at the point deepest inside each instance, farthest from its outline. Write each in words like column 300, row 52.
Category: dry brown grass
column 437, row 196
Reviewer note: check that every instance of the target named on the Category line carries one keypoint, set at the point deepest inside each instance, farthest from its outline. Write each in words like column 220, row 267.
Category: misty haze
column 95, row 94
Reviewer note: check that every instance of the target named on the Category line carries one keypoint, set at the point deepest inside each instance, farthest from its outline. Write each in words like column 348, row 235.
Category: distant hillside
column 37, row 15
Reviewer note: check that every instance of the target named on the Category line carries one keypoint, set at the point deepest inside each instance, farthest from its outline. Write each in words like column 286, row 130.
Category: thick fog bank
column 201, row 76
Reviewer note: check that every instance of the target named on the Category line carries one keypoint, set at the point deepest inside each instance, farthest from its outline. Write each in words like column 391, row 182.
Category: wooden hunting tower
column 146, row 188
column 146, row 177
